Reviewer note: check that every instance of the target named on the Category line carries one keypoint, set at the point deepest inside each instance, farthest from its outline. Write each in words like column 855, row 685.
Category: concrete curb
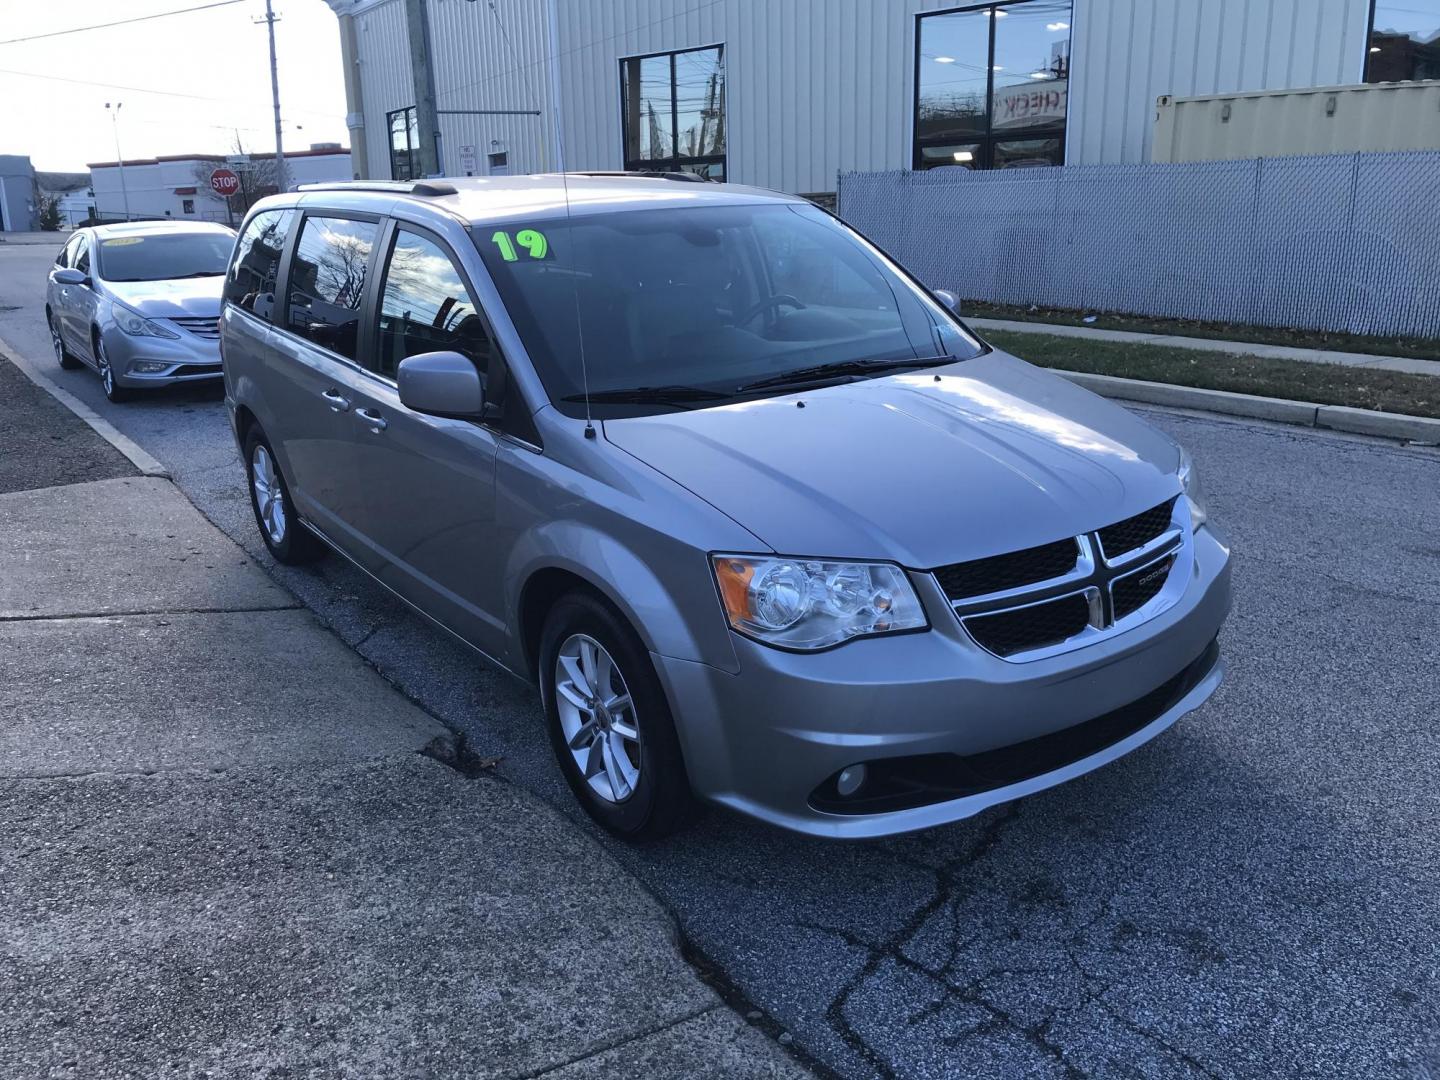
column 137, row 455
column 1385, row 425
column 1408, row 365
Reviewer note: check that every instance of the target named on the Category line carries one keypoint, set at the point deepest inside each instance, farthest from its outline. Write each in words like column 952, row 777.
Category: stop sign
column 225, row 182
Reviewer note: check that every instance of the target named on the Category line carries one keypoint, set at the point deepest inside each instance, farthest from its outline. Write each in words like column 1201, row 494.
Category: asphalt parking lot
column 1252, row 894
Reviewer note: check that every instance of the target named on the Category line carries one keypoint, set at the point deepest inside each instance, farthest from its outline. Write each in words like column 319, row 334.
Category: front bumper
column 188, row 358
column 765, row 740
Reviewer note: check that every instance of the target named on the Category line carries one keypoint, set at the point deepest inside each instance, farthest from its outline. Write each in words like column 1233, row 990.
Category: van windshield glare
column 704, row 299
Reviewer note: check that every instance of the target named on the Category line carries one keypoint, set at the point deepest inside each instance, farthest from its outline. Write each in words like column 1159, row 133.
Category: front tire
column 114, row 392
column 609, row 721
column 63, row 356
column 285, row 538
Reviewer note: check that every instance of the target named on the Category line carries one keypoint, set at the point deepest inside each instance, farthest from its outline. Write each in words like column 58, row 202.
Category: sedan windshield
column 164, row 256
column 689, row 307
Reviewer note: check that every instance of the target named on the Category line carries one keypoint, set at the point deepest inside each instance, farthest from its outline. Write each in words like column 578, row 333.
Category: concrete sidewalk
column 231, row 849
column 1408, row 364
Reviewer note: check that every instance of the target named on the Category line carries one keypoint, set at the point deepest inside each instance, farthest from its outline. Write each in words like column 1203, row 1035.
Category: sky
column 185, row 83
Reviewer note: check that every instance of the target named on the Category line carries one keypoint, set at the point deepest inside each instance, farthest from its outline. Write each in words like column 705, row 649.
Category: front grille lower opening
column 904, row 783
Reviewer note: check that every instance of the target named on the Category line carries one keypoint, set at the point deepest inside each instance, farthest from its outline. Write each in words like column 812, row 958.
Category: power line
column 161, row 93
column 121, row 22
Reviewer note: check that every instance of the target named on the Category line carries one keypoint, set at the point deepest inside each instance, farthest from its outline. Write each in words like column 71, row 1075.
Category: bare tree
column 257, row 179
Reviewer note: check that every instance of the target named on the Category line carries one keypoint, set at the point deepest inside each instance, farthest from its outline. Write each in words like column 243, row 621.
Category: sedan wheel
column 113, row 391
column 269, row 503
column 62, row 354
column 597, row 716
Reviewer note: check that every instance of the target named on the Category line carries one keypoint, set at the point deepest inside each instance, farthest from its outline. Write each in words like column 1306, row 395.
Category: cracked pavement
column 1252, row 894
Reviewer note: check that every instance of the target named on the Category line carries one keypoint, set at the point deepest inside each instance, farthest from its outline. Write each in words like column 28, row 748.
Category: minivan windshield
column 692, row 306
column 164, row 256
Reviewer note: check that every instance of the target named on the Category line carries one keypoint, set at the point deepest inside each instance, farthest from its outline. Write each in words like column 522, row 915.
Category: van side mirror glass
column 441, row 384
column 949, row 299
column 70, row 276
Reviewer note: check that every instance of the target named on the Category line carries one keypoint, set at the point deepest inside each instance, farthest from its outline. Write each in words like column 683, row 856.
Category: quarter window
column 1404, row 41
column 992, row 86
column 404, row 144
column 255, row 265
column 327, row 281
column 426, row 307
column 674, row 111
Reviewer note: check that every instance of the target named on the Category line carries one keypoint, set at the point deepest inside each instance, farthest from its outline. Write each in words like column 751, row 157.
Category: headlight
column 138, row 326
column 809, row 603
column 1194, row 493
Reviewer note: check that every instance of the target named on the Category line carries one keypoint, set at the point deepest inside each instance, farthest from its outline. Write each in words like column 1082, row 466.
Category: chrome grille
column 205, row 326
column 1036, row 602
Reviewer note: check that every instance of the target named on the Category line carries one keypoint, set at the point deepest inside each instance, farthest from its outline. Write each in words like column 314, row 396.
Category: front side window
column 255, row 264
column 327, row 281
column 82, row 255
column 992, row 86
column 404, row 144
column 67, row 253
column 1404, row 41
column 674, row 112
column 694, row 306
column 425, row 306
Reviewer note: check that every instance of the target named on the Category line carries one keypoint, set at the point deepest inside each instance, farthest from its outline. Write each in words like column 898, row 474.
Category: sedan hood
column 926, row 469
column 196, row 297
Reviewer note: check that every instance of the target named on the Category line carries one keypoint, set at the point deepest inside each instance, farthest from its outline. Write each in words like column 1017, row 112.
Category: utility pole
column 427, row 119
column 280, row 179
column 119, row 157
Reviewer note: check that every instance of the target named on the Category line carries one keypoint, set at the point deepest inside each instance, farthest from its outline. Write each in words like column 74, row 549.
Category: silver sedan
column 138, row 302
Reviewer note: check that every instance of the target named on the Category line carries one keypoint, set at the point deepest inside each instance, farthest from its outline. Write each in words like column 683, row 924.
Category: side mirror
column 68, row 275
column 949, row 299
column 441, row 384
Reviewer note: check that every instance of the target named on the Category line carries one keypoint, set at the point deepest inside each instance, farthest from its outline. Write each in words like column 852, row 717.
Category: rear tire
column 285, row 538
column 635, row 787
column 63, row 356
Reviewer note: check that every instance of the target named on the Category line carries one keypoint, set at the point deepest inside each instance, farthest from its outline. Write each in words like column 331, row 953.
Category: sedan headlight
column 1194, row 493
column 136, row 325
column 810, row 603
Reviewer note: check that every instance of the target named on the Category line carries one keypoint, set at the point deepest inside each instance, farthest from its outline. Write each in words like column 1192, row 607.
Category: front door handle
column 373, row 420
column 337, row 401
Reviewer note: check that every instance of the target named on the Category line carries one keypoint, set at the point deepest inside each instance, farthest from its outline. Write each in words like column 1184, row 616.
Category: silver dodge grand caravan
column 764, row 520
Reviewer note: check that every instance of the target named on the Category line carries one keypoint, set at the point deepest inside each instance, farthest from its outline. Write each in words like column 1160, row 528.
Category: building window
column 674, row 111
column 187, row 206
column 404, row 144
column 1404, row 41
column 992, row 85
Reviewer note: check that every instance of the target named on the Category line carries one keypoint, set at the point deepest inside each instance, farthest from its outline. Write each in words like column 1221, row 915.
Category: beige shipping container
column 1279, row 123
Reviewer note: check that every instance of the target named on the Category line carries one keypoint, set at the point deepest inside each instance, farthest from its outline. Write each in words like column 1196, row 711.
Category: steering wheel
column 778, row 300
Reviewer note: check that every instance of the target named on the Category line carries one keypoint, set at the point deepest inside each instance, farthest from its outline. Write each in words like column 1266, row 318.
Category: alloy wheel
column 269, row 501
column 56, row 343
column 107, row 374
column 597, row 717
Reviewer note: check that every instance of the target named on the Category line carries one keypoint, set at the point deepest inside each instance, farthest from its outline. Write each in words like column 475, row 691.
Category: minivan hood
column 198, row 296
column 927, row 468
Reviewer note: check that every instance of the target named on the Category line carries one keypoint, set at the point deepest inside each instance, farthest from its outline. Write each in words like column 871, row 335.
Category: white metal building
column 787, row 93
column 178, row 187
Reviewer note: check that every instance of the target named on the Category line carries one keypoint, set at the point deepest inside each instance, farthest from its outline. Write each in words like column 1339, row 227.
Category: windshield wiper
column 821, row 372
column 646, row 395
column 201, row 273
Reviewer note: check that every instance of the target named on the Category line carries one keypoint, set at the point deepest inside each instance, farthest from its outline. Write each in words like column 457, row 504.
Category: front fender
column 682, row 620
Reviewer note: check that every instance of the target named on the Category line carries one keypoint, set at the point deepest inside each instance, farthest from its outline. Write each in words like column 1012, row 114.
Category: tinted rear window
column 256, row 264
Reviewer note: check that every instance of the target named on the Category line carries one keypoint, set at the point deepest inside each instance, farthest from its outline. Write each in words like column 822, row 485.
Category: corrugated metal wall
column 815, row 87
column 1126, row 53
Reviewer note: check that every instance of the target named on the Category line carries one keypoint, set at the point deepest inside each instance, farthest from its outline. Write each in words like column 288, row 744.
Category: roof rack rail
column 650, row 174
column 398, row 187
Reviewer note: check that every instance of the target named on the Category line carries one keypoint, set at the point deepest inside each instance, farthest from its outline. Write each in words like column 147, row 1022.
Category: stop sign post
column 225, row 183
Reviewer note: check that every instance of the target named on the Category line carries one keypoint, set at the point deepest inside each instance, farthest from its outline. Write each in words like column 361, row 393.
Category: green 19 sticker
column 532, row 241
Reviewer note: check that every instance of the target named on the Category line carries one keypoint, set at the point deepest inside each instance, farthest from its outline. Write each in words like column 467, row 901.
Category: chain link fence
column 1338, row 242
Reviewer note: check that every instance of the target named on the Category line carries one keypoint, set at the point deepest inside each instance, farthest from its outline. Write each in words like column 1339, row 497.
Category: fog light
column 147, row 367
column 850, row 780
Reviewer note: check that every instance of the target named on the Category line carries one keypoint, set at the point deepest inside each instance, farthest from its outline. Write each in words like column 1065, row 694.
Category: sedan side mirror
column 442, row 384
column 949, row 299
column 70, row 276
